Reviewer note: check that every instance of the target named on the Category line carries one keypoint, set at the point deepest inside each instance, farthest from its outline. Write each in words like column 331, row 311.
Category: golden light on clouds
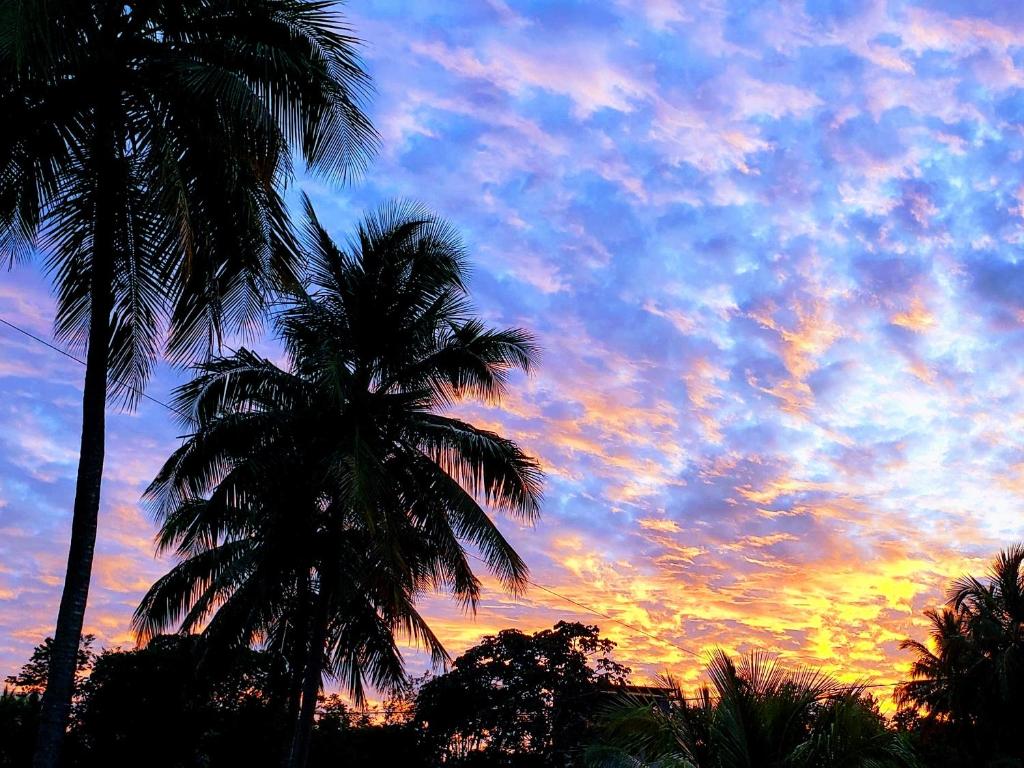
column 779, row 401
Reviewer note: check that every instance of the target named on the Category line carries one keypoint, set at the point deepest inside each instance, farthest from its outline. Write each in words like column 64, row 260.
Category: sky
column 771, row 254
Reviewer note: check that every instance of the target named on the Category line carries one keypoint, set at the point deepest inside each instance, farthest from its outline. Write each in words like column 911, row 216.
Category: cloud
column 770, row 256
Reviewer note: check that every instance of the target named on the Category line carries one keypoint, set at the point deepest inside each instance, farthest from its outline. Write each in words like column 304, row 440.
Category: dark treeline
column 515, row 699
column 556, row 698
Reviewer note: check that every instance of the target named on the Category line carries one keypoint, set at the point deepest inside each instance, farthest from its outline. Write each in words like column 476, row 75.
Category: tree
column 21, row 700
column 379, row 736
column 755, row 714
column 968, row 677
column 518, row 699
column 200, row 705
column 32, row 676
column 143, row 151
column 312, row 505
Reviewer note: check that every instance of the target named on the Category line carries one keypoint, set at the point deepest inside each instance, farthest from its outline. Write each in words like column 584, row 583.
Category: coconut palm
column 944, row 680
column 313, row 503
column 754, row 714
column 142, row 154
column 994, row 607
column 969, row 676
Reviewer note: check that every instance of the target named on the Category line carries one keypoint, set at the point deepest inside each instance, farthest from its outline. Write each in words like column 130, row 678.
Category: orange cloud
column 917, row 318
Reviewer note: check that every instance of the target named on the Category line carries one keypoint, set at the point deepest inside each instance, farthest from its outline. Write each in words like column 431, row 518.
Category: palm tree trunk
column 299, row 753
column 294, row 701
column 297, row 666
column 56, row 705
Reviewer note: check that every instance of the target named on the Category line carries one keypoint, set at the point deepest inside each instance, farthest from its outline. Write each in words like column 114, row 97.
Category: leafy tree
column 143, row 149
column 518, row 699
column 968, row 677
column 366, row 738
column 20, row 701
column 200, row 707
column 32, row 676
column 312, row 505
column 935, row 741
column 756, row 714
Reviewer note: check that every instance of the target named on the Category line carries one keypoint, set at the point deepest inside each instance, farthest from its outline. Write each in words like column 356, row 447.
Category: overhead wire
column 81, row 362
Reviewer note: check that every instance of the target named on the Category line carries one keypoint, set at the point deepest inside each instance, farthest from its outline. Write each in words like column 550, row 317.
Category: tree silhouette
column 519, row 700
column 969, row 676
column 382, row 735
column 19, row 721
column 34, row 673
column 202, row 706
column 312, row 505
column 143, row 148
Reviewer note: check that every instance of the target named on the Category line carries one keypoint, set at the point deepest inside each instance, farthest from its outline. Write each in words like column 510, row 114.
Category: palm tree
column 943, row 681
column 970, row 675
column 756, row 714
column 143, row 149
column 313, row 504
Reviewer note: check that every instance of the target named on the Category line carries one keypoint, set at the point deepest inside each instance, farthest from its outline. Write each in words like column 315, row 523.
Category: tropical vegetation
column 756, row 713
column 518, row 699
column 551, row 698
column 143, row 154
column 965, row 682
column 216, row 710
column 312, row 504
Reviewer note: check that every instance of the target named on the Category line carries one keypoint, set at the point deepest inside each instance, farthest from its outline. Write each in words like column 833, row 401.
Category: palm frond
column 483, row 462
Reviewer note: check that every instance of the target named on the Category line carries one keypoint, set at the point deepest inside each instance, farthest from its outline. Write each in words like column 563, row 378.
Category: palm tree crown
column 969, row 675
column 318, row 500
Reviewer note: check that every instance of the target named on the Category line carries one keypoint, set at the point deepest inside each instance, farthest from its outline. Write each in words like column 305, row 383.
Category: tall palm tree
column 143, row 150
column 313, row 504
column 971, row 673
column 754, row 714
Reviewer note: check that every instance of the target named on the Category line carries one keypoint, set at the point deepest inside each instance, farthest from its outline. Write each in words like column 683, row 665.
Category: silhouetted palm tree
column 756, row 714
column 971, row 674
column 943, row 680
column 142, row 150
column 313, row 504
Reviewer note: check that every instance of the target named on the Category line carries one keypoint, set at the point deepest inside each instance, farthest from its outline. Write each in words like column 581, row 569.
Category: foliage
column 754, row 714
column 19, row 719
column 32, row 676
column 968, row 677
column 312, row 505
column 381, row 736
column 200, row 706
column 936, row 742
column 176, row 121
column 21, row 700
column 518, row 699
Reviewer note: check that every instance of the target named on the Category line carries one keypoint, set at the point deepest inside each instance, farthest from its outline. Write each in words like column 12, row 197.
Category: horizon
column 770, row 259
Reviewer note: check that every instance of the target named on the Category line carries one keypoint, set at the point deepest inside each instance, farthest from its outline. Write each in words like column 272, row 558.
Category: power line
column 548, row 590
column 81, row 362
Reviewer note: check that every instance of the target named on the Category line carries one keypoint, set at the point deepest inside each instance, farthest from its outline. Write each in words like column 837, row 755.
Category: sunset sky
column 770, row 251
